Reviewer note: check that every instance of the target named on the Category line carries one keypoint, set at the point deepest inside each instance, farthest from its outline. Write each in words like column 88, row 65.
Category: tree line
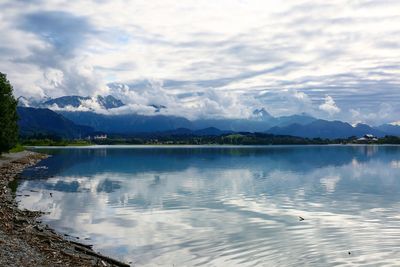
column 8, row 116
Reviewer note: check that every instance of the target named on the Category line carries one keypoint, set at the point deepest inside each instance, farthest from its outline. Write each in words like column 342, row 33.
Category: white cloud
column 342, row 48
column 382, row 112
column 329, row 106
column 54, row 77
column 294, row 101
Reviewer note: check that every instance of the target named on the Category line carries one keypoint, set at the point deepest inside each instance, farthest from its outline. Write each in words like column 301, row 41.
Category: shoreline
column 204, row 146
column 24, row 239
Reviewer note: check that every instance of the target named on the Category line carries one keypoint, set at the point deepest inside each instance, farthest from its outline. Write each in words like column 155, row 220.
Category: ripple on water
column 227, row 209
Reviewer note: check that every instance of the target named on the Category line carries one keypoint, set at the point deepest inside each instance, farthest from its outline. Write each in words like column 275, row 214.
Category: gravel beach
column 24, row 240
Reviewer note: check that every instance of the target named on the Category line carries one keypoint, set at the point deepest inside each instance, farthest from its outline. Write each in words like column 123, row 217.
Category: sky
column 209, row 59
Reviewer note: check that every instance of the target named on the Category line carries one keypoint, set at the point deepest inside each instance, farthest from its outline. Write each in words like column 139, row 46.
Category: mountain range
column 76, row 116
column 73, row 102
column 38, row 121
column 326, row 129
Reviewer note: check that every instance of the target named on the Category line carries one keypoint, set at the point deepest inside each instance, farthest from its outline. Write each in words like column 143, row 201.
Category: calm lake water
column 225, row 206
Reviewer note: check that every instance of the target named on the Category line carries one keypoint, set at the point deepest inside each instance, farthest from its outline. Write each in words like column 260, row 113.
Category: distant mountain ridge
column 85, row 102
column 127, row 123
column 78, row 110
column 211, row 131
column 134, row 123
column 326, row 129
column 38, row 121
column 390, row 129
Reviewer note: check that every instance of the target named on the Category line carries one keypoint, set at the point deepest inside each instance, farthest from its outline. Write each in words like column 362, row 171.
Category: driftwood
column 82, row 245
column 24, row 231
column 97, row 255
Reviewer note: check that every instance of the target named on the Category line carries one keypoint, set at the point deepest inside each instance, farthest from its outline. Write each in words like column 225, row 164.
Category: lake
column 224, row 206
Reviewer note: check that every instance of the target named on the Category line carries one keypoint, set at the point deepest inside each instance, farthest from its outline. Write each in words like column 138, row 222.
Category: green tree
column 8, row 115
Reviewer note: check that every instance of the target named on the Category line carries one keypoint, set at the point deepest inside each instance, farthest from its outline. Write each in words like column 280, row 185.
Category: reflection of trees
column 233, row 186
column 108, row 186
column 156, row 180
column 368, row 150
column 92, row 161
column 59, row 162
column 62, row 186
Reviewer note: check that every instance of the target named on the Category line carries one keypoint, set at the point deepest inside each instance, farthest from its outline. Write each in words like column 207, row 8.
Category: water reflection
column 226, row 206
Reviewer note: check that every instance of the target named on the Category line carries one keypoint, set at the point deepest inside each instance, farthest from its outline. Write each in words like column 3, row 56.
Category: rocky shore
column 24, row 240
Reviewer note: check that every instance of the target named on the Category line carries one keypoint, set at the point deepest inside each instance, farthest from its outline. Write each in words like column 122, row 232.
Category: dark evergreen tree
column 8, row 115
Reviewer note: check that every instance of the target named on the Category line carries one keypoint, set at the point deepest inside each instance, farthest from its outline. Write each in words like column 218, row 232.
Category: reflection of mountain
column 91, row 161
column 156, row 173
column 60, row 161
column 230, row 199
column 113, row 162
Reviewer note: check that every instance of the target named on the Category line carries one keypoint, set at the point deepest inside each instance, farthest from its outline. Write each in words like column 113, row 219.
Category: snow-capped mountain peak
column 71, row 103
column 262, row 114
column 84, row 103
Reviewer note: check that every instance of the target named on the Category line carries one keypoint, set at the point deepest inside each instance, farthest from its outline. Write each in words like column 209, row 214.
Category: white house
column 368, row 138
column 100, row 137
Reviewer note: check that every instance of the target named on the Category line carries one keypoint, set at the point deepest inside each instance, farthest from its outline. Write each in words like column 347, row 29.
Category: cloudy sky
column 222, row 58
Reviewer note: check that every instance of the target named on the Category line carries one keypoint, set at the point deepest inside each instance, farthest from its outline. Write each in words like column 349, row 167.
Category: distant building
column 100, row 137
column 368, row 138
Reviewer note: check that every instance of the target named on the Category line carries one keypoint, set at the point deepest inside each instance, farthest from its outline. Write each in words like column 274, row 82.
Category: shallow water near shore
column 224, row 206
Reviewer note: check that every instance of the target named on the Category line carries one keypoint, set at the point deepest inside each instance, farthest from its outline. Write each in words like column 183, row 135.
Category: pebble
column 24, row 241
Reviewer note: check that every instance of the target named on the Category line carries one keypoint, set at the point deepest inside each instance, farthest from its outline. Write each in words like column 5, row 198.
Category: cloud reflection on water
column 229, row 207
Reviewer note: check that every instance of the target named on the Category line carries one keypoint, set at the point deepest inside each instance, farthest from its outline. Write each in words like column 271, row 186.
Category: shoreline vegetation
column 24, row 239
column 229, row 139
